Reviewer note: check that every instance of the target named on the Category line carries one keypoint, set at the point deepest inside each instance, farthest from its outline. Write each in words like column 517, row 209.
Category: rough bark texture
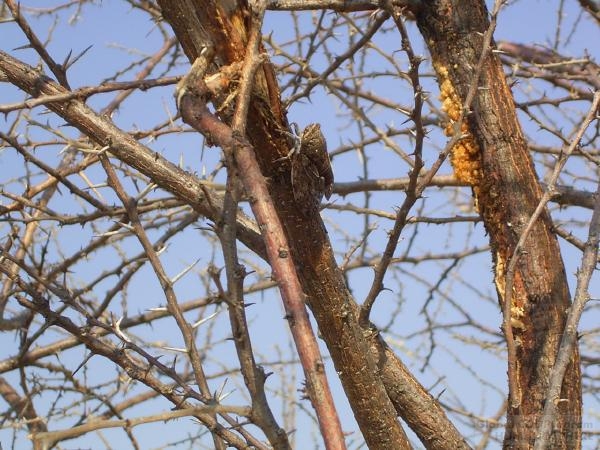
column 378, row 385
column 494, row 159
column 224, row 26
column 371, row 374
column 412, row 402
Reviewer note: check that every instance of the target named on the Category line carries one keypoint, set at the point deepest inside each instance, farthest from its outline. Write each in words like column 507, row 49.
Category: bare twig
column 58, row 70
column 584, row 274
column 167, row 285
column 335, row 5
column 52, row 437
column 133, row 367
column 512, row 265
column 417, row 185
column 414, row 188
column 195, row 112
column 86, row 92
column 254, row 376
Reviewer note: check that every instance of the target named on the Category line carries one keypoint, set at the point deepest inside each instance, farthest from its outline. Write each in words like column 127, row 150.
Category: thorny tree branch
column 87, row 92
column 414, row 189
column 49, row 186
column 36, row 354
column 512, row 265
column 584, row 274
column 417, row 185
column 135, row 368
column 166, row 284
column 44, row 85
column 59, row 70
column 45, row 438
column 194, row 111
column 23, row 407
column 254, row 376
column 170, row 177
column 335, row 5
column 562, row 194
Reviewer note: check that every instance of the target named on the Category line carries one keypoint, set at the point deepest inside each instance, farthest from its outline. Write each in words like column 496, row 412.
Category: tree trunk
column 378, row 385
column 493, row 157
column 312, row 252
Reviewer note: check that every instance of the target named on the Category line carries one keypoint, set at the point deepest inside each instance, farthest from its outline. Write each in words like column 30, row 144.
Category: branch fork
column 191, row 95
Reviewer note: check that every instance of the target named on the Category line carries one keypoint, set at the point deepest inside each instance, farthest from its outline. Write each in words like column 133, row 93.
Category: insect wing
column 314, row 146
column 307, row 184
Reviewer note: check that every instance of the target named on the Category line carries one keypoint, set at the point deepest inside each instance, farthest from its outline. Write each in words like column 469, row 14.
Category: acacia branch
column 374, row 379
column 584, row 274
column 165, row 174
column 226, row 228
column 166, row 283
column 416, row 185
column 194, row 111
column 134, row 368
column 46, row 439
column 414, row 188
column 514, row 259
column 335, row 5
column 59, row 70
column 87, row 92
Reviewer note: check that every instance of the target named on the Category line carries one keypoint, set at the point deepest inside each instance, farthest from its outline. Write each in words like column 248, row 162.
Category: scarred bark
column 224, row 26
column 370, row 372
column 412, row 402
column 377, row 384
column 493, row 157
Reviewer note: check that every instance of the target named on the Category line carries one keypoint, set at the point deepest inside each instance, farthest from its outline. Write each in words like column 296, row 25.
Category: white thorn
column 120, row 333
column 206, row 319
column 176, row 278
column 145, row 191
column 175, row 349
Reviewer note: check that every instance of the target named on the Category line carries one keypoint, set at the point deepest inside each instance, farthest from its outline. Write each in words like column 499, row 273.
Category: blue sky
column 116, row 33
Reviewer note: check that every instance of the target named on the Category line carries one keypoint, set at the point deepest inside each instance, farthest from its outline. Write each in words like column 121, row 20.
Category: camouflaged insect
column 312, row 176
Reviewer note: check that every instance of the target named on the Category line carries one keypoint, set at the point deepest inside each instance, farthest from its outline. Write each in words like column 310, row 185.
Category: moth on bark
column 312, row 176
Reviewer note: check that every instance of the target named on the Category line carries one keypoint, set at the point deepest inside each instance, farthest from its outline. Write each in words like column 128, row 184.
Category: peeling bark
column 225, row 30
column 494, row 159
column 377, row 384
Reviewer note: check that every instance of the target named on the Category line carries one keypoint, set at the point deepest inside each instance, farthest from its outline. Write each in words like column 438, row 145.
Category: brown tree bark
column 225, row 27
column 490, row 156
column 377, row 384
column 412, row 402
column 493, row 158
